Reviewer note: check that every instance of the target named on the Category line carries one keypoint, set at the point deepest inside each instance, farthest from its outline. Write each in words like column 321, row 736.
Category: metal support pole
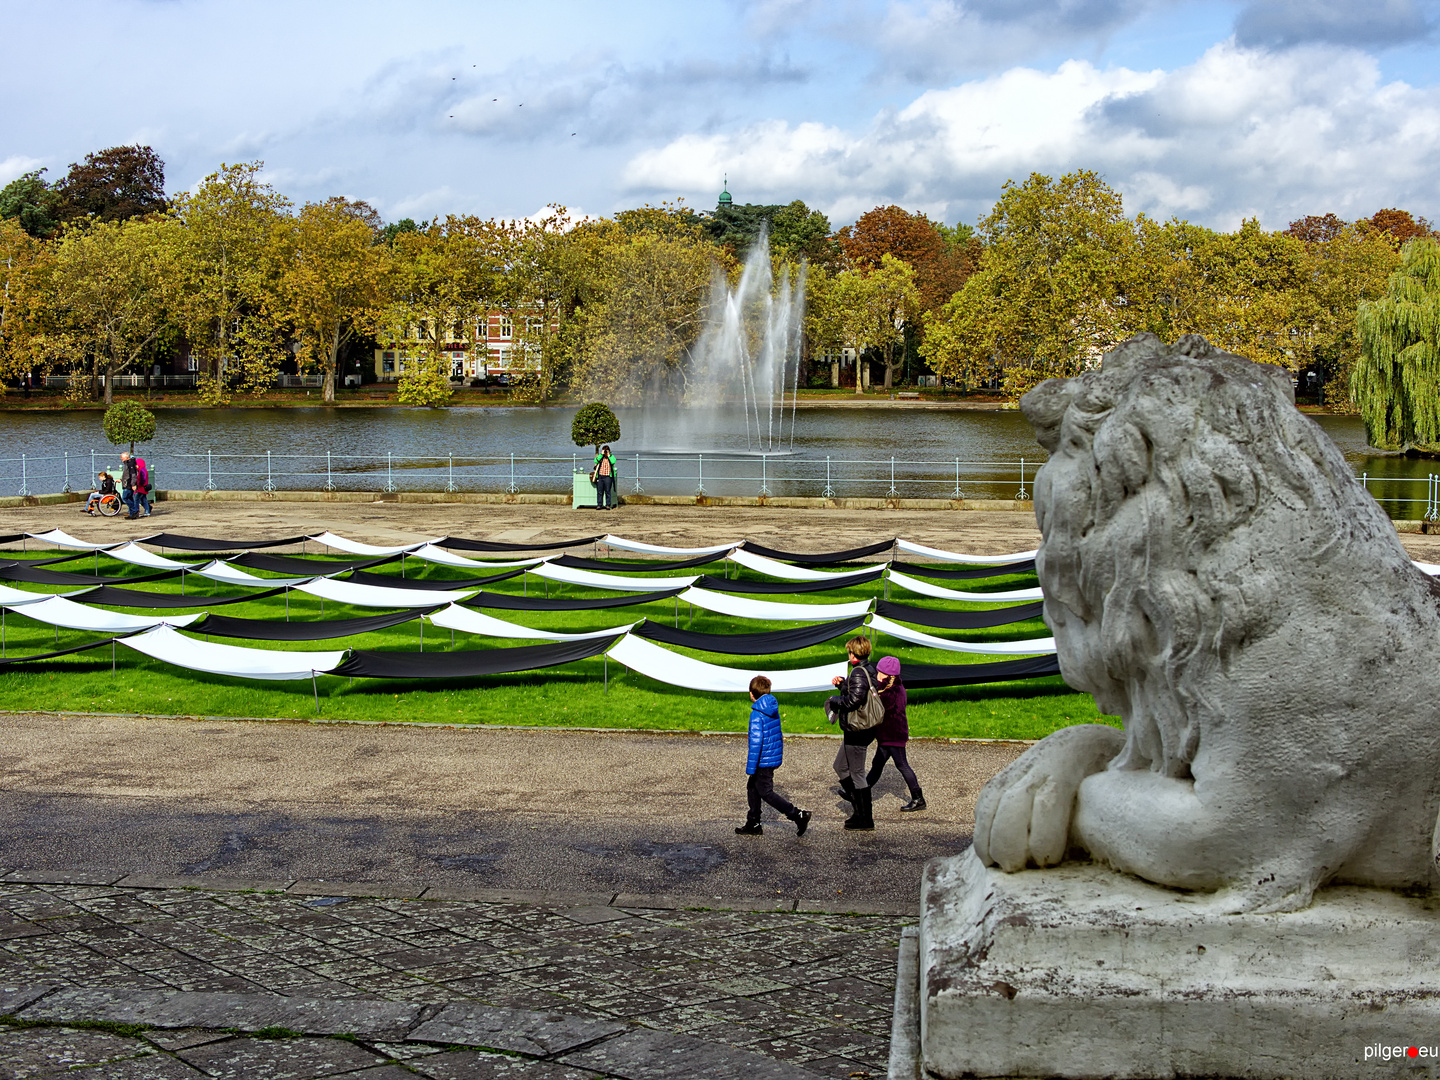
column 93, row 471
column 209, row 470
column 287, row 603
column 450, row 484
column 1022, row 494
column 700, row 477
column 389, row 471
column 957, row 479
column 829, row 492
column 329, row 478
column 421, row 620
column 764, row 477
column 269, row 478
column 315, row 686
column 512, row 489
column 638, row 490
column 892, row 493
column 607, row 673
column 23, row 489
column 66, row 488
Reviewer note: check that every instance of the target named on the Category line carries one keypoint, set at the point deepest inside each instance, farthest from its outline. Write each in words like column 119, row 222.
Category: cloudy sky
column 1209, row 110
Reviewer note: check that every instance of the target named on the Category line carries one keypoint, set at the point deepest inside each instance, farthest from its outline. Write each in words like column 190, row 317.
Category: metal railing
column 717, row 474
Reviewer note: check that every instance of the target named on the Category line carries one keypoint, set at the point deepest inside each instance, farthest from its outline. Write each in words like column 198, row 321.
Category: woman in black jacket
column 850, row 761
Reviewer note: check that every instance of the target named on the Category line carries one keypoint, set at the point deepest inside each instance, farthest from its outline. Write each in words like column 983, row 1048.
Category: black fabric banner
column 541, row 603
column 390, row 581
column 13, row 538
column 312, row 630
column 770, row 641
column 199, row 543
column 11, row 660
column 742, row 585
column 467, row 663
column 916, row 676
column 823, row 558
column 111, row 596
column 37, row 575
column 459, row 543
column 632, row 568
column 930, row 570
column 296, row 566
column 958, row 620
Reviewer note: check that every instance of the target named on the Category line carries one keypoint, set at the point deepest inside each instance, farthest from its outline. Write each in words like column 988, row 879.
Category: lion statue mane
column 1215, row 576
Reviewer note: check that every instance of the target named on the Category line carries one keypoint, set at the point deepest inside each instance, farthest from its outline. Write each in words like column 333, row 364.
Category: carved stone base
column 1078, row 971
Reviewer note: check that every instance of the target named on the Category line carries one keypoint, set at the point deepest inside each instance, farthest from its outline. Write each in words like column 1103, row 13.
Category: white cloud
column 17, row 165
column 1238, row 133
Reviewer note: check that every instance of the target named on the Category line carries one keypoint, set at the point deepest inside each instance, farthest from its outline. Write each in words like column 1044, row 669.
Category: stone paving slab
column 522, row 1031
column 382, row 889
column 663, row 1055
column 244, row 1012
column 210, row 884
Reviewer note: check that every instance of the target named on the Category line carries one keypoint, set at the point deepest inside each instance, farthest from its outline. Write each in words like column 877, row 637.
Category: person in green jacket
column 604, row 475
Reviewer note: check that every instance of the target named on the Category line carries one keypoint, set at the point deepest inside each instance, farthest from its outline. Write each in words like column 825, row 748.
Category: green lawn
column 569, row 695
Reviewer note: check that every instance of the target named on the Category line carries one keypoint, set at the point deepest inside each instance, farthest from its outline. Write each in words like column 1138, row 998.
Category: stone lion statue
column 1215, row 576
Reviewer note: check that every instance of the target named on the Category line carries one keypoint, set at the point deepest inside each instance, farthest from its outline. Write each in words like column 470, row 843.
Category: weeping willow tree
column 1397, row 381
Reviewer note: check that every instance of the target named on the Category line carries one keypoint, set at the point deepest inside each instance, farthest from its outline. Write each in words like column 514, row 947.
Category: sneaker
column 750, row 828
column 802, row 822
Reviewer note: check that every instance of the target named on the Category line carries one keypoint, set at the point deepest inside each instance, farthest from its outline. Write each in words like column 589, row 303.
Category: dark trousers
column 131, row 498
column 759, row 788
column 604, row 492
column 897, row 755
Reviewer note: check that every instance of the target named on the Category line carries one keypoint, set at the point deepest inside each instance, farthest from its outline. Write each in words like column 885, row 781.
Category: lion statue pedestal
column 1215, row 577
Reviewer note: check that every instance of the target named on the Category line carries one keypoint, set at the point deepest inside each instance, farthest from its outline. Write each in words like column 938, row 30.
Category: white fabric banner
column 762, row 564
column 593, row 580
column 924, row 588
column 1029, row 647
column 233, row 575
column 380, row 596
column 58, row 611
column 168, row 645
column 135, row 554
column 470, row 621
column 955, row 556
column 660, row 549
column 60, row 538
column 355, row 547
column 432, row 554
column 669, row 667
column 742, row 607
column 13, row 598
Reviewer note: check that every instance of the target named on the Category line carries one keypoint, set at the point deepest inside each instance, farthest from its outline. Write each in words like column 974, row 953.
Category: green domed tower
column 724, row 199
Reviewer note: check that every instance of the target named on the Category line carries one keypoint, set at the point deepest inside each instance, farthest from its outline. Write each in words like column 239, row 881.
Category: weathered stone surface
column 539, row 1034
column 1080, row 971
column 664, row 1055
column 387, row 890
column 15, row 998
column 64, row 877
column 243, row 1012
column 279, row 1059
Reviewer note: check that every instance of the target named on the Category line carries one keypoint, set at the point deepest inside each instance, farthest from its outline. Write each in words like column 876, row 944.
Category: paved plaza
column 158, row 982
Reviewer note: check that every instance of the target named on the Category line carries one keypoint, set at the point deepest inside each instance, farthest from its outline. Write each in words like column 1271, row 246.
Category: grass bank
column 572, row 695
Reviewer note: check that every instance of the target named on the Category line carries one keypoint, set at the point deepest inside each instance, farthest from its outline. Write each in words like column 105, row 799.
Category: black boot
column 863, row 818
column 847, row 789
column 917, row 802
column 750, row 828
column 802, row 822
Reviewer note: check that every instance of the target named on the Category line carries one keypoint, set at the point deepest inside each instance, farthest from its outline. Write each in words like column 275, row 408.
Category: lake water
column 470, row 449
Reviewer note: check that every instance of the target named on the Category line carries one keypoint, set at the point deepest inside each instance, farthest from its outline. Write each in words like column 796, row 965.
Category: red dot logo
column 1412, row 1052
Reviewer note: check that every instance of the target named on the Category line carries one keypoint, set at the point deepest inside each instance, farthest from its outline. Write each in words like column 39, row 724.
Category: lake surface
column 471, row 448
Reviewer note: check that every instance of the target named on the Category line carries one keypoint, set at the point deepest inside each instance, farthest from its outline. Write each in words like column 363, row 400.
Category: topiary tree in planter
column 129, row 422
column 594, row 424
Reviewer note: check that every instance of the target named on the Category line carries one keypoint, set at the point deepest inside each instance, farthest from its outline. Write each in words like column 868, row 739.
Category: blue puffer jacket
column 767, row 747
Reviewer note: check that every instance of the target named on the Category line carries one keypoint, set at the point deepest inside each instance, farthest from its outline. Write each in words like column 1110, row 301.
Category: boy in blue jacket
column 767, row 751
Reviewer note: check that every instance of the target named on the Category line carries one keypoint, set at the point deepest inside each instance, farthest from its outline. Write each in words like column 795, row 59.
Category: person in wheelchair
column 104, row 498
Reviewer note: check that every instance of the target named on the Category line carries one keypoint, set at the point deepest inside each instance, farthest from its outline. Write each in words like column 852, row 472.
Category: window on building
column 507, row 328
column 387, row 364
column 457, row 366
column 193, row 364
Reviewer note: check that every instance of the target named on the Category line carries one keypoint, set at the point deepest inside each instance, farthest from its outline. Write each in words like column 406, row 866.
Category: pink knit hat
column 888, row 665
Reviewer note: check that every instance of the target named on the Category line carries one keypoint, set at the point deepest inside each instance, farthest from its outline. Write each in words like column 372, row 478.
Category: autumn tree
column 1316, row 228
column 865, row 310
column 941, row 260
column 445, row 277
column 24, row 262
column 1397, row 380
column 112, row 291
column 329, row 281
column 1050, row 294
column 113, row 185
column 1400, row 225
column 229, row 280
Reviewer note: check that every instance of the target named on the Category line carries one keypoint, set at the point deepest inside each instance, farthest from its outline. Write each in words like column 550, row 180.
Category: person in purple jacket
column 894, row 732
column 767, row 751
